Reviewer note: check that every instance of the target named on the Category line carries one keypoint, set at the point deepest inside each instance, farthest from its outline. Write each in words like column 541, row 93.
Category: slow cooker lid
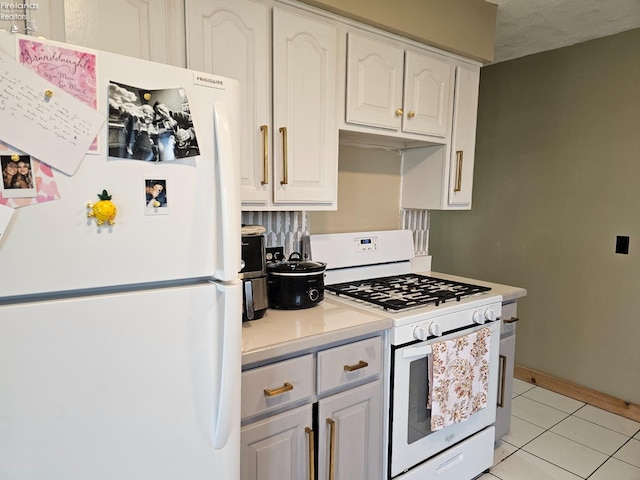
column 295, row 263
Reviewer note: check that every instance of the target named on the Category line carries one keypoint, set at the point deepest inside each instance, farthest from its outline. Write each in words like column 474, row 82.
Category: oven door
column 412, row 440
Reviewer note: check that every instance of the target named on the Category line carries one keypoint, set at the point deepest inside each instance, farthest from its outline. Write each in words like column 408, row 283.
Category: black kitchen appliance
column 295, row 283
column 253, row 274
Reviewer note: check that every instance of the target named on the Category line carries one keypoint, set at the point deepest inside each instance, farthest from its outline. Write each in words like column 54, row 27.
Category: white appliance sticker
column 211, row 81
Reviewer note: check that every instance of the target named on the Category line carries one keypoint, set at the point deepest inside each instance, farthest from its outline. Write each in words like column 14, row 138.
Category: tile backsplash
column 418, row 222
column 288, row 229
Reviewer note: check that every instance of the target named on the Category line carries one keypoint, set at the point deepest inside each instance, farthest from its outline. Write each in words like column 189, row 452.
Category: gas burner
column 402, row 292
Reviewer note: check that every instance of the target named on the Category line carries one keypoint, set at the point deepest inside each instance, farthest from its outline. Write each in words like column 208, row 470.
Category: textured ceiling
column 525, row 27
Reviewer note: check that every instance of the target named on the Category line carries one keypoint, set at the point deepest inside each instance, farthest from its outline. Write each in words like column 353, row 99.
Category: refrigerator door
column 55, row 247
column 139, row 385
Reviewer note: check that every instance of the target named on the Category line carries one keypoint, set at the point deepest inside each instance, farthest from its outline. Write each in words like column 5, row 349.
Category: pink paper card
column 72, row 70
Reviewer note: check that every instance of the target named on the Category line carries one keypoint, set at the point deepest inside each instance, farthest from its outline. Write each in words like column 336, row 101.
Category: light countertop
column 283, row 332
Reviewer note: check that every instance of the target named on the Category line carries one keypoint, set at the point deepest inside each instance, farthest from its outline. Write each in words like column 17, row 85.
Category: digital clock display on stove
column 366, row 244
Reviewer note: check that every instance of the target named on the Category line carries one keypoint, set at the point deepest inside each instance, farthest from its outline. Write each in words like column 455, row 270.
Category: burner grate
column 401, row 292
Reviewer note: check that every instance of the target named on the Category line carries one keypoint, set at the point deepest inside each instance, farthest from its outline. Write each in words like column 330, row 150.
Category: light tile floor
column 554, row 437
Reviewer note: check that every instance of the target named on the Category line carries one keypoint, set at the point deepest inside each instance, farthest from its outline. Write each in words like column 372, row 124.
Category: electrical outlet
column 274, row 254
column 622, row 244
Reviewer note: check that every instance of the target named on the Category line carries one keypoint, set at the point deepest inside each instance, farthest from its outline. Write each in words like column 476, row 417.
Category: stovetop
column 406, row 291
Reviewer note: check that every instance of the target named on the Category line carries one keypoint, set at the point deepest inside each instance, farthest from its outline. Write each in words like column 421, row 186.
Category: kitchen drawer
column 349, row 363
column 288, row 382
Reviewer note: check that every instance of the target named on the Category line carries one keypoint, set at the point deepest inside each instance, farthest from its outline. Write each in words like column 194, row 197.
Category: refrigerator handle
column 228, row 263
column 229, row 350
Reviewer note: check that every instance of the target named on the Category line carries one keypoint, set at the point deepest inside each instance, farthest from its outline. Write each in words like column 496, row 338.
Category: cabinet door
column 428, row 98
column 47, row 19
column 278, row 448
column 505, row 385
column 354, row 437
column 230, row 38
column 152, row 30
column 304, row 102
column 463, row 139
column 374, row 83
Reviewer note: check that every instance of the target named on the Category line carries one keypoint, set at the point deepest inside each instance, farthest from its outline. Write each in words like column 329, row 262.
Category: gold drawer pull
column 332, row 448
column 511, row 320
column 459, row 157
column 399, row 112
column 265, row 154
column 287, row 387
column 285, row 157
column 358, row 366
column 312, row 449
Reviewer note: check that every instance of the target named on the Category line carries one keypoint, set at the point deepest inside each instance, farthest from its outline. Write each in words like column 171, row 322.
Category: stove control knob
column 421, row 332
column 435, row 329
column 478, row 317
column 490, row 314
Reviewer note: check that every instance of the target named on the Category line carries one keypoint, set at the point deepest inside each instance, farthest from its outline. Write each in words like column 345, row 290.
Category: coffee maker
column 253, row 273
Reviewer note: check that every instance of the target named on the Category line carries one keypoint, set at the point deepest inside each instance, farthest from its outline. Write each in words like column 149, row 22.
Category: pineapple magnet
column 104, row 210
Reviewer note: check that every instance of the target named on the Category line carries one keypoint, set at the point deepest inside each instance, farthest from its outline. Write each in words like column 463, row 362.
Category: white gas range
column 373, row 270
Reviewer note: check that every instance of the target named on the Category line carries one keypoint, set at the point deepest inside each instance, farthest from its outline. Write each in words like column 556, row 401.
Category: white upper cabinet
column 304, row 101
column 286, row 61
column 230, row 38
column 440, row 177
column 428, row 95
column 398, row 89
column 151, row 30
column 463, row 138
column 374, row 83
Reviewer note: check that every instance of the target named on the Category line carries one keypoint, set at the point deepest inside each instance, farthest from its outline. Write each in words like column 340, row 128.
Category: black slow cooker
column 295, row 283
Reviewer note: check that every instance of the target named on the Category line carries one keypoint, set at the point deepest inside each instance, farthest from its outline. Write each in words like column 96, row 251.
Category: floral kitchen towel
column 460, row 378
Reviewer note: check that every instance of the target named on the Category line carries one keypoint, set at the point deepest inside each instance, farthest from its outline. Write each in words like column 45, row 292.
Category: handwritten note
column 57, row 129
column 72, row 70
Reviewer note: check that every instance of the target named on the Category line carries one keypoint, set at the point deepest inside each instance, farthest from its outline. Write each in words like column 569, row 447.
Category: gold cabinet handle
column 285, row 160
column 411, row 114
column 459, row 155
column 332, row 448
column 399, row 112
column 312, row 449
column 358, row 366
column 287, row 387
column 503, row 369
column 265, row 154
column 511, row 320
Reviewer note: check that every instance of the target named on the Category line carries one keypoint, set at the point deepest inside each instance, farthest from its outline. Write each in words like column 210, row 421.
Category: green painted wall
column 557, row 178
column 466, row 27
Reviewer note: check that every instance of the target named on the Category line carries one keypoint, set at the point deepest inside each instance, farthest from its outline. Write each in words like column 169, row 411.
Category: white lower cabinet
column 334, row 432
column 278, row 447
column 507, row 361
column 350, row 434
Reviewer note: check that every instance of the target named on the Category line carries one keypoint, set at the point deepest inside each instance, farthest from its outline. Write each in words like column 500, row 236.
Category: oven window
column 419, row 414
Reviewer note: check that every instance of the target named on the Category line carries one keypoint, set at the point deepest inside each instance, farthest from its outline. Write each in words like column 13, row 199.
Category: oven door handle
column 419, row 351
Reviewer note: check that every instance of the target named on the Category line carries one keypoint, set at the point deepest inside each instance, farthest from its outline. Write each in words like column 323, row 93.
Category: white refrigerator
column 120, row 344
